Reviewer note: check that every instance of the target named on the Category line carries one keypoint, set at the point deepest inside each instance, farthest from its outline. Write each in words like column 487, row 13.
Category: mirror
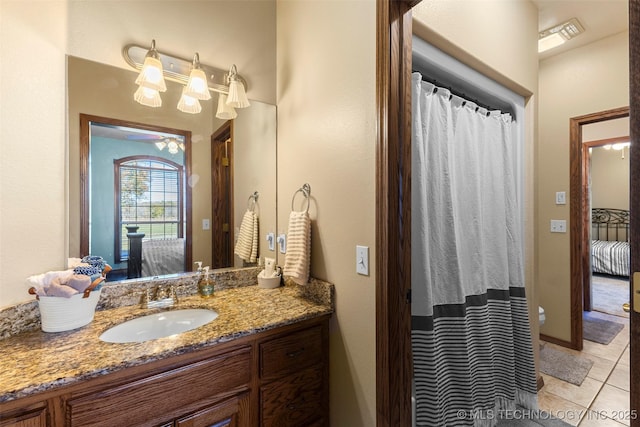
column 217, row 192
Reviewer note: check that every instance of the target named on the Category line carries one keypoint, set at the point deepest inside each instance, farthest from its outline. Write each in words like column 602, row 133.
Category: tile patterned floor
column 603, row 397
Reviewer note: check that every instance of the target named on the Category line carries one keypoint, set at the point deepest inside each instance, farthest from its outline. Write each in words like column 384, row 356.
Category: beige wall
column 586, row 80
column 327, row 138
column 609, row 178
column 32, row 138
column 609, row 168
column 255, row 151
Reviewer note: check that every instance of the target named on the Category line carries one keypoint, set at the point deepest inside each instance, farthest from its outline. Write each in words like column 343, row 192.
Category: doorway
column 222, row 197
column 606, row 289
column 580, row 213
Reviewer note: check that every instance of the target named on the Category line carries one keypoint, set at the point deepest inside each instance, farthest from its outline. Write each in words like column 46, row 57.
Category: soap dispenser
column 205, row 285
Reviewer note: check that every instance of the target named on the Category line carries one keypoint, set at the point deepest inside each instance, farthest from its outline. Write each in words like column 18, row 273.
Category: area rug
column 599, row 330
column 564, row 366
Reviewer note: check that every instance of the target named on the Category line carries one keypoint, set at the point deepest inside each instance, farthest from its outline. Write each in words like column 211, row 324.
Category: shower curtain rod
column 458, row 93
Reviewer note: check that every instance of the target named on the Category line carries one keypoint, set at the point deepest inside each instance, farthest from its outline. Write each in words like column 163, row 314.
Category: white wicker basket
column 59, row 314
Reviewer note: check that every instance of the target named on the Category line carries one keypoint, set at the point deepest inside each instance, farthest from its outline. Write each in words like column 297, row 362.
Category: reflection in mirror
column 134, row 199
column 248, row 142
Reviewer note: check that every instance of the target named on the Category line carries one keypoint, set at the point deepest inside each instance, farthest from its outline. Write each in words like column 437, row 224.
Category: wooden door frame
column 634, row 198
column 579, row 214
column 393, row 213
column 222, row 134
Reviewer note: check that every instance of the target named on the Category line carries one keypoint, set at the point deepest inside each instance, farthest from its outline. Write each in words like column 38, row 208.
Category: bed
column 162, row 256
column 610, row 241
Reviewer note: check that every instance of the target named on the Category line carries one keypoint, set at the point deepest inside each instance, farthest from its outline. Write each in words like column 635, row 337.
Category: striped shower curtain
column 471, row 339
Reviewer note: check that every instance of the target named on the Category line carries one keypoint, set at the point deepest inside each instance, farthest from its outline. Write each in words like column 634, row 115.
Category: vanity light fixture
column 557, row 35
column 225, row 111
column 148, row 97
column 189, row 104
column 151, row 75
column 197, row 83
column 237, row 96
column 199, row 79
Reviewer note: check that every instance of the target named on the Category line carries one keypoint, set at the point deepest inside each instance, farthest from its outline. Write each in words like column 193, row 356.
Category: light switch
column 558, row 226
column 362, row 260
column 561, row 198
column 205, row 224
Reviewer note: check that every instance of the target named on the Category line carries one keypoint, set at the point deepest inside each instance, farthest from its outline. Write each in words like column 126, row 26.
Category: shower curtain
column 472, row 351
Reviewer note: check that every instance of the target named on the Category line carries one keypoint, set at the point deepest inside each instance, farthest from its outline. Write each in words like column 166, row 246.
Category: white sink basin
column 158, row 325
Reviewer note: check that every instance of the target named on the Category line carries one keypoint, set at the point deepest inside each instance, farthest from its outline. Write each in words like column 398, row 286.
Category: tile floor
column 603, row 397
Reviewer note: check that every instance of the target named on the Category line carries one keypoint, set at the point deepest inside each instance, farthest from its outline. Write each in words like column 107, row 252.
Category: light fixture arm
column 178, row 69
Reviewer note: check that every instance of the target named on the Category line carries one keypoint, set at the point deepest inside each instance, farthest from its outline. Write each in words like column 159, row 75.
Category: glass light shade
column 161, row 145
column 197, row 86
column 189, row 104
column 225, row 112
column 237, row 97
column 151, row 75
column 148, row 97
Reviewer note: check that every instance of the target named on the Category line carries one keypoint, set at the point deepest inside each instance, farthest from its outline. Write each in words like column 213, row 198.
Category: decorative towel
column 247, row 244
column 298, row 257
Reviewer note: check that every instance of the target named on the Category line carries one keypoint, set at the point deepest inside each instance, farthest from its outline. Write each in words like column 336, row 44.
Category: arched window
column 148, row 194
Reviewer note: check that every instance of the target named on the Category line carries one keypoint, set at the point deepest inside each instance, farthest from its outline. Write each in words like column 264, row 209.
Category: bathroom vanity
column 263, row 362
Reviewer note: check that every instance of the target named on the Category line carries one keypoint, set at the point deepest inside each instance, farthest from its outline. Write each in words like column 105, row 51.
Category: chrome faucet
column 161, row 297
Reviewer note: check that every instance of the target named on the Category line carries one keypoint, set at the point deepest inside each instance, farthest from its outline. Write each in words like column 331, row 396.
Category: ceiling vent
column 557, row 35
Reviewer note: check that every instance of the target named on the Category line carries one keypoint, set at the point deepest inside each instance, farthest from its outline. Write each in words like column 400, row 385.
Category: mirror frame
column 85, row 184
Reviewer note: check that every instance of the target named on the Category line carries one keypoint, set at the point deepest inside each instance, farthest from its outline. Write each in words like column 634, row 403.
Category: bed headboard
column 610, row 224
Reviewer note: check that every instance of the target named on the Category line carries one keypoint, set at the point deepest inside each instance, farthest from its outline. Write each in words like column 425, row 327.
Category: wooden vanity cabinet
column 274, row 378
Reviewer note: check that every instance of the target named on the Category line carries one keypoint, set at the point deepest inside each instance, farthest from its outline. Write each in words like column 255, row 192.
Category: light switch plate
column 561, row 198
column 362, row 260
column 205, row 224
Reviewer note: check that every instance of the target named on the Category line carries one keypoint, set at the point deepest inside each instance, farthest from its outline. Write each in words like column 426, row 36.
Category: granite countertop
column 36, row 361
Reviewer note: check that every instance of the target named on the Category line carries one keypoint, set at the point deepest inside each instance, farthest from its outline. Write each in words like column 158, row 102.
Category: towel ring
column 252, row 198
column 306, row 192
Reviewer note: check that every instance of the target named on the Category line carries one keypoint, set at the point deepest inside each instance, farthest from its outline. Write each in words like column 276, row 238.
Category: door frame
column 580, row 218
column 393, row 215
column 634, row 199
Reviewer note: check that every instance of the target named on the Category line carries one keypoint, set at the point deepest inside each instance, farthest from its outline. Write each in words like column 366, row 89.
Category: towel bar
column 306, row 192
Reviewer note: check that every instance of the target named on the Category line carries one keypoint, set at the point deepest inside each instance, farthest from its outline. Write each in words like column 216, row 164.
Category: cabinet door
column 230, row 413
column 33, row 418
column 293, row 401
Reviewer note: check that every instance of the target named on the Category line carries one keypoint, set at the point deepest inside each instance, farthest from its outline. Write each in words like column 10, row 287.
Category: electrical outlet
column 558, row 226
column 362, row 260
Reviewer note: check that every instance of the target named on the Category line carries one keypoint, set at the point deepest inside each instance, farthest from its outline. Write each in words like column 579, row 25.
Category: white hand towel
column 247, row 243
column 298, row 257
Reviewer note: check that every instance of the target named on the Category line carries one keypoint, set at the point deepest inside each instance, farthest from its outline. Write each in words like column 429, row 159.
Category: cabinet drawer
column 151, row 400
column 294, row 401
column 225, row 414
column 291, row 353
